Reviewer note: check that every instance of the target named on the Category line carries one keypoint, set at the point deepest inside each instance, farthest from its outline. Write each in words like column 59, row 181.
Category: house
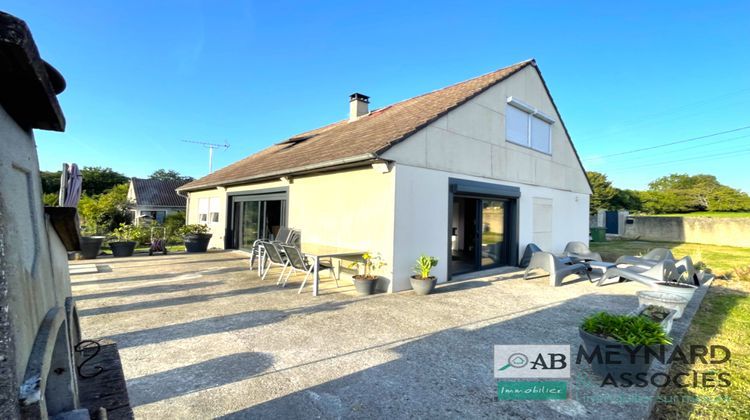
column 154, row 199
column 470, row 173
column 38, row 318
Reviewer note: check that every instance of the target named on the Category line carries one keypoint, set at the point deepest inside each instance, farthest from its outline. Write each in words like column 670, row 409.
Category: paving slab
column 200, row 335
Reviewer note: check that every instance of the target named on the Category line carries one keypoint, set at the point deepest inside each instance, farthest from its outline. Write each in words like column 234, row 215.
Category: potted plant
column 676, row 288
column 196, row 237
column 626, row 343
column 659, row 314
column 665, row 300
column 91, row 246
column 422, row 282
column 124, row 245
column 365, row 282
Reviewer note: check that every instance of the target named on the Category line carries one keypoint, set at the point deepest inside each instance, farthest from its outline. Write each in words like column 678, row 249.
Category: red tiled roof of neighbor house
column 361, row 140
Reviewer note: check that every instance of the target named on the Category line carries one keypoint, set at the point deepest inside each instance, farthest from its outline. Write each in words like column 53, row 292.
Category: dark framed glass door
column 483, row 226
column 256, row 217
column 493, row 223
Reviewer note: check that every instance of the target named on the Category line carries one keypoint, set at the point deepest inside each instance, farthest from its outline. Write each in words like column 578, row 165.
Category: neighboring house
column 154, row 199
column 470, row 174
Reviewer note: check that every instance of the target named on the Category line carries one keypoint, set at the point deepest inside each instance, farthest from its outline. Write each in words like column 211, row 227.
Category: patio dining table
column 318, row 251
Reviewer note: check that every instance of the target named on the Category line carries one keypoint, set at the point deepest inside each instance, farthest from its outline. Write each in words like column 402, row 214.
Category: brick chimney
column 358, row 106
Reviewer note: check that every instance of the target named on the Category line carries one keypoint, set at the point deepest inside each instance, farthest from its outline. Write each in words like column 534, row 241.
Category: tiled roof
column 155, row 192
column 360, row 140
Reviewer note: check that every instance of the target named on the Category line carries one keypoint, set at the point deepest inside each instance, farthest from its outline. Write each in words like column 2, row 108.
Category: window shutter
column 516, row 125
column 202, row 205
column 213, row 206
column 540, row 135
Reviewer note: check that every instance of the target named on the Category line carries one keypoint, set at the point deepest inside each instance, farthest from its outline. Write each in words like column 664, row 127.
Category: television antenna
column 211, row 147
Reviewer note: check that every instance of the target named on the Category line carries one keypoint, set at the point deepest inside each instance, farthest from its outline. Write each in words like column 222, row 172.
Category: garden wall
column 702, row 230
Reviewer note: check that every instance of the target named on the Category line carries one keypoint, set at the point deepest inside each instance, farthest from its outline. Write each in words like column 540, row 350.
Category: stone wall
column 702, row 230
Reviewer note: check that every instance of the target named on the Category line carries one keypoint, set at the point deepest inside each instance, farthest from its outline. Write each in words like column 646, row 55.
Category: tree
column 603, row 192
column 97, row 180
column 627, row 199
column 50, row 181
column 103, row 213
column 50, row 199
column 682, row 193
column 169, row 175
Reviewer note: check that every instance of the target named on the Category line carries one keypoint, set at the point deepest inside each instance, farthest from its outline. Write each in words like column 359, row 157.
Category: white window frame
column 532, row 114
column 203, row 206
column 213, row 210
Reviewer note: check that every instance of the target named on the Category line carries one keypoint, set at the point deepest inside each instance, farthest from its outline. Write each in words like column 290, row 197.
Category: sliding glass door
column 479, row 233
column 251, row 223
column 256, row 217
column 493, row 233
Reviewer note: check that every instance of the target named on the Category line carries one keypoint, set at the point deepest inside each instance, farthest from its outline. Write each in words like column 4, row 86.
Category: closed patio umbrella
column 63, row 185
column 75, row 184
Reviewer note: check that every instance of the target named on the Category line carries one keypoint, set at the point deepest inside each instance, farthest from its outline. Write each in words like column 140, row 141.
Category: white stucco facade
column 421, row 222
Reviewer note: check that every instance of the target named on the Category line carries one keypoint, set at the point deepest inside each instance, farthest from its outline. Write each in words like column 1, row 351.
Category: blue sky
column 143, row 75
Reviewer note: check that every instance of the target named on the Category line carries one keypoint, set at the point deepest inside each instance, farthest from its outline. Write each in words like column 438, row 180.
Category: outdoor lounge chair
column 686, row 269
column 684, row 266
column 556, row 267
column 661, row 271
column 581, row 252
column 275, row 258
column 527, row 253
column 299, row 264
column 654, row 256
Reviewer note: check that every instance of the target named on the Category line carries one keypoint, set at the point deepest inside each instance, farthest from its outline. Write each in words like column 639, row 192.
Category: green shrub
column 424, row 265
column 126, row 232
column 632, row 330
column 172, row 224
column 193, row 230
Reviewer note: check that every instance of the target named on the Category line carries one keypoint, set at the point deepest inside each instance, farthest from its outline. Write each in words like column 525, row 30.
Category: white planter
column 663, row 299
column 685, row 290
column 665, row 323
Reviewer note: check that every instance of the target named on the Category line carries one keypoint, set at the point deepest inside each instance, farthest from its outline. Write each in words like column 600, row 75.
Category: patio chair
column 275, row 259
column 295, row 235
column 282, row 235
column 298, row 263
column 662, row 271
column 527, row 253
column 581, row 252
column 256, row 253
column 686, row 269
column 653, row 257
column 556, row 267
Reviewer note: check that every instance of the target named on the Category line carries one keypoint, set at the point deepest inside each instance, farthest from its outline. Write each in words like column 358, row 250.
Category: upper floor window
column 528, row 126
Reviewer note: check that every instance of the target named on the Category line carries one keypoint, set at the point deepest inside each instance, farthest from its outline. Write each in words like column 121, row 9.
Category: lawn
column 723, row 318
column 704, row 214
column 721, row 259
column 144, row 249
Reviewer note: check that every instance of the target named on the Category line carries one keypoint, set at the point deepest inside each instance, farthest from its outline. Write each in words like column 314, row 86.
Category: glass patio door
column 256, row 217
column 493, row 233
column 250, row 223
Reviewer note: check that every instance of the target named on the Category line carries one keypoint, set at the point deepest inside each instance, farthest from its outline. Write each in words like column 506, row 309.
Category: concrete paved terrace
column 201, row 336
